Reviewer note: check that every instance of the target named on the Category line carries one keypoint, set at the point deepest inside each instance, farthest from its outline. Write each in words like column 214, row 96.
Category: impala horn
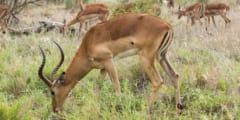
column 59, row 64
column 53, row 77
column 40, row 70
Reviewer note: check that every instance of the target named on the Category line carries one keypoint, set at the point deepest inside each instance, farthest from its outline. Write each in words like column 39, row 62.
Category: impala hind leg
column 226, row 19
column 154, row 76
column 173, row 75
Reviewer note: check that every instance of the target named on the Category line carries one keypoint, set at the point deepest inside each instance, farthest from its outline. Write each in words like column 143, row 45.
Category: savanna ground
column 208, row 64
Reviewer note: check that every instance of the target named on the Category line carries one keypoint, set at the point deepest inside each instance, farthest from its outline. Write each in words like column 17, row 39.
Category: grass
column 208, row 64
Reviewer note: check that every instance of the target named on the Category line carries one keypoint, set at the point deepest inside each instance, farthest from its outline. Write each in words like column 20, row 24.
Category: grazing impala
column 125, row 35
column 199, row 10
column 3, row 11
column 191, row 12
column 89, row 11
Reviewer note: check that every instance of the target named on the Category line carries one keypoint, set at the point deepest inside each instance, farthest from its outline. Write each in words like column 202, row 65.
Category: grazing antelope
column 191, row 12
column 3, row 12
column 126, row 35
column 200, row 10
column 87, row 12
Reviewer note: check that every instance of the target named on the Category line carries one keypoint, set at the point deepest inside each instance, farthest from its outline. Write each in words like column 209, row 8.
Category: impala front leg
column 213, row 20
column 66, row 26
column 112, row 73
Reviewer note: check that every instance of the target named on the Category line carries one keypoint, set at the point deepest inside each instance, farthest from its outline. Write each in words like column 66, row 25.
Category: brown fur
column 149, row 35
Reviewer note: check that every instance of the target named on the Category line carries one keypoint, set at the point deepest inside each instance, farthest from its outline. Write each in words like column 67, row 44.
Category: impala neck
column 81, row 5
column 78, row 68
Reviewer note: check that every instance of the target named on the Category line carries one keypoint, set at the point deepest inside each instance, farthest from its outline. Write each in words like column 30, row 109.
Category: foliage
column 14, row 8
column 138, row 7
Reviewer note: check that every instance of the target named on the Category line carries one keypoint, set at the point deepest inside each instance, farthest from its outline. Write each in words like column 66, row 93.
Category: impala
column 87, row 12
column 217, row 8
column 192, row 12
column 3, row 11
column 200, row 10
column 145, row 35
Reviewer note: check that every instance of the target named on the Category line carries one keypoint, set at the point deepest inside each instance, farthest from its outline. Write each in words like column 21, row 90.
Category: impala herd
column 144, row 35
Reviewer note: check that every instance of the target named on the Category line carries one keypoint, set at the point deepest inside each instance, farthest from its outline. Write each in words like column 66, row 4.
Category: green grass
column 208, row 65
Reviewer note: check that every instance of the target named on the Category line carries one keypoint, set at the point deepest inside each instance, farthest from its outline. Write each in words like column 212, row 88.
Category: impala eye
column 53, row 93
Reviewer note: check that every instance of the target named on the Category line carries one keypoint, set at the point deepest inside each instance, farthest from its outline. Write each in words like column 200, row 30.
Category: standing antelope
column 89, row 11
column 125, row 35
column 3, row 11
column 217, row 8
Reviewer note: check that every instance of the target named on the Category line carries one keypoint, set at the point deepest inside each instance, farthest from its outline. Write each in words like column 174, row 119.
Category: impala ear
column 61, row 78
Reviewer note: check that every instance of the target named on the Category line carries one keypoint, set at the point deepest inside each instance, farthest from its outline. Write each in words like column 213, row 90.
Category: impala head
column 59, row 91
column 181, row 12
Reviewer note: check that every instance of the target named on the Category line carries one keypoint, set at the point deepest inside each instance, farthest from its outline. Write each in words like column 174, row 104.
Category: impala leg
column 173, row 75
column 188, row 19
column 206, row 22
column 193, row 20
column 154, row 76
column 213, row 20
column 80, row 26
column 112, row 73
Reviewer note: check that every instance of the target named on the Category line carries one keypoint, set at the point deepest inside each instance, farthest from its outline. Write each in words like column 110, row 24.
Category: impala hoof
column 180, row 108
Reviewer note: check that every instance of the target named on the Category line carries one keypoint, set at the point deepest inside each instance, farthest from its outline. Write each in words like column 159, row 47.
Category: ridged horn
column 40, row 70
column 59, row 64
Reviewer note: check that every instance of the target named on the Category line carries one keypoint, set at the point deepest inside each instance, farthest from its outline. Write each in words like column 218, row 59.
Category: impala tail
column 167, row 39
